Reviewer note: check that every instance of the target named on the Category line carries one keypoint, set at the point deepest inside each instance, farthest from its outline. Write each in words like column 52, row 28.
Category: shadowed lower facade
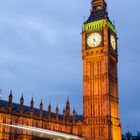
column 101, row 117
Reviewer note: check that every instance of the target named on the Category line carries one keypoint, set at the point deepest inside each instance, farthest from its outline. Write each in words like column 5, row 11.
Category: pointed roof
column 22, row 99
column 10, row 95
column 32, row 100
column 67, row 101
column 74, row 110
column 98, row 11
column 41, row 103
column 57, row 108
column 49, row 105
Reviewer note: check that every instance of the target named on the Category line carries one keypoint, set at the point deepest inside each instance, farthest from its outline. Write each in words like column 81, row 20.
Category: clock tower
column 100, row 79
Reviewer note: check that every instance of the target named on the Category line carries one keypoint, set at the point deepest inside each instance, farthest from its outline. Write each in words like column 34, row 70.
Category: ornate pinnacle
column 41, row 105
column 22, row 99
column 10, row 95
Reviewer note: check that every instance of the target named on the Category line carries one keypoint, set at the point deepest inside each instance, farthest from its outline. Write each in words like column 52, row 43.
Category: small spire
column 41, row 109
column 68, row 105
column 74, row 115
column 49, row 105
column 22, row 99
column 49, row 111
column 67, row 110
column 21, row 104
column 64, row 114
column 32, row 100
column 74, row 110
column 41, row 105
column 68, row 100
column 57, row 108
column 64, row 111
column 10, row 99
column 49, row 108
column 57, row 111
column 10, row 95
column 41, row 102
column 32, row 103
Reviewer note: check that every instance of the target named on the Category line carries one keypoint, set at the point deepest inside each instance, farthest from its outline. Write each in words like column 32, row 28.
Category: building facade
column 101, row 118
column 19, row 114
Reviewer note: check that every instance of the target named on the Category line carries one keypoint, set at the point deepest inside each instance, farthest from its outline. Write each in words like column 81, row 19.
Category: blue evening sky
column 40, row 53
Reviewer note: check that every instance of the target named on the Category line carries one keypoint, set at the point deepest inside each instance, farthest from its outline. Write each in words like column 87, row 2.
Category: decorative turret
column 49, row 111
column 41, row 109
column 74, row 116
column 41, row 105
column 32, row 105
column 10, row 100
column 67, row 110
column 57, row 113
column 21, row 103
column 64, row 115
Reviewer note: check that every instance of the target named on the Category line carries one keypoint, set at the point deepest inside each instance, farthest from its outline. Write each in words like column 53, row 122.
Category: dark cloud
column 40, row 52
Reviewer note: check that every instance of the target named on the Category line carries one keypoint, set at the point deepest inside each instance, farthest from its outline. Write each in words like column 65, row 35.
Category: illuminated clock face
column 113, row 42
column 94, row 40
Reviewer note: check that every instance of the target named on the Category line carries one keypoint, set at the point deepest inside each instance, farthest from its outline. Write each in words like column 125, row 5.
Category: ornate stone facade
column 101, row 118
column 11, row 113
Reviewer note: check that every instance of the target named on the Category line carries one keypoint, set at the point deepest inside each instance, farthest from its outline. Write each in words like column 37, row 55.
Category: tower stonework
column 100, row 79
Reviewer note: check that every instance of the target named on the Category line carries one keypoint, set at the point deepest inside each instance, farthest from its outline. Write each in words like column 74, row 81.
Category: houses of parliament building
column 100, row 119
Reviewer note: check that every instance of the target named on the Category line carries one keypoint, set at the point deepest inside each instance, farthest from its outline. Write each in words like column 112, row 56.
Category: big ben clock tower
column 100, row 79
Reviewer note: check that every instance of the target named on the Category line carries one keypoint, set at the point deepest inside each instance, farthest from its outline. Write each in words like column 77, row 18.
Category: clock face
column 113, row 42
column 94, row 40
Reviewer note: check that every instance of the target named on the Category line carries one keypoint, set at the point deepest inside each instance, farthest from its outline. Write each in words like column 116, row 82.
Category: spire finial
column 74, row 115
column 32, row 103
column 21, row 100
column 49, row 105
column 49, row 110
column 10, row 95
column 67, row 101
column 41, row 105
column 57, row 108
column 41, row 102
column 22, row 97
column 10, row 99
column 57, row 112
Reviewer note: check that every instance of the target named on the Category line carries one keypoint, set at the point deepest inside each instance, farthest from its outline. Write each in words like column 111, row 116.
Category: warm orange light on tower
column 100, row 79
